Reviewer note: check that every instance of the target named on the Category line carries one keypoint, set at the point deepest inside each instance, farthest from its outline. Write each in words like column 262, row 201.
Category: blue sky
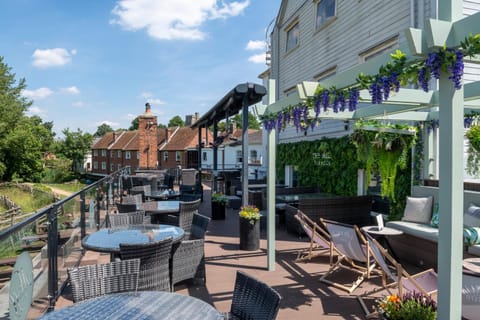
column 92, row 62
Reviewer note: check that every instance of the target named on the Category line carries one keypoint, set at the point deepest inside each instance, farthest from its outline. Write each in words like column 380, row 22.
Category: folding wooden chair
column 424, row 282
column 354, row 253
column 319, row 239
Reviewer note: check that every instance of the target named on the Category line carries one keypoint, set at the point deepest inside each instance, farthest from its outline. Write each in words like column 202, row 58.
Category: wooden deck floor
column 303, row 295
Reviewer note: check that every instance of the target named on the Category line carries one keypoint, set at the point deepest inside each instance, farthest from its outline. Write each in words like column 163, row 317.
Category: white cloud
column 110, row 123
column 78, row 104
column 256, row 45
column 52, row 57
column 36, row 110
column 257, row 58
column 37, row 94
column 151, row 99
column 70, row 90
column 173, row 19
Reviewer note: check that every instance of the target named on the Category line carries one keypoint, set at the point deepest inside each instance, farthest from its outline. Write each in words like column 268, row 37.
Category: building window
column 204, row 156
column 104, row 165
column 385, row 46
column 119, row 154
column 112, row 167
column 95, row 153
column 253, row 155
column 95, row 165
column 293, row 35
column 239, row 156
column 290, row 91
column 178, row 156
column 111, row 153
column 128, row 155
column 325, row 12
column 138, row 155
column 165, row 155
column 104, row 153
column 119, row 166
column 325, row 74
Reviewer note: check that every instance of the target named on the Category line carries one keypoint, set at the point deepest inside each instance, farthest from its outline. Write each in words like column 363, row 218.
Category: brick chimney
column 147, row 139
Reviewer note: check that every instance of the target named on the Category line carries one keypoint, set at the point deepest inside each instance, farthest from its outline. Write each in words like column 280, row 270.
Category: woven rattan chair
column 126, row 207
column 354, row 253
column 99, row 279
column 253, row 299
column 126, row 218
column 188, row 259
column 132, row 199
column 187, row 210
column 154, row 263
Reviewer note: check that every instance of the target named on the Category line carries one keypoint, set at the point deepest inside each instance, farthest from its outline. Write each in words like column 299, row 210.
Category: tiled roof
column 104, row 142
column 127, row 141
column 184, row 138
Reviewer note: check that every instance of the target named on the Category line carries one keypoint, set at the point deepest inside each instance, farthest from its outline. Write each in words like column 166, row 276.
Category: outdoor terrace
column 303, row 295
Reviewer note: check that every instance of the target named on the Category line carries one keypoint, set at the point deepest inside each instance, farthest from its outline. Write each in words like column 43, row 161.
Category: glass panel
column 293, row 35
column 325, row 10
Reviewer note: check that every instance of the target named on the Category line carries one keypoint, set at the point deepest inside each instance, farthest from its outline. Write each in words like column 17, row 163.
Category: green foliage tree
column 176, row 122
column 134, row 125
column 253, row 122
column 102, row 130
column 75, row 146
column 23, row 140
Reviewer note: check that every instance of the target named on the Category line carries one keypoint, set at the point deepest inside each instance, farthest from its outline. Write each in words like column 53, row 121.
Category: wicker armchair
column 187, row 210
column 188, row 259
column 126, row 207
column 132, row 199
column 126, row 218
column 99, row 279
column 253, row 299
column 154, row 263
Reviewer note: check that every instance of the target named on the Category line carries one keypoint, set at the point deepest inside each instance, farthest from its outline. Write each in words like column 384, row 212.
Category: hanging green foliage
column 473, row 159
column 384, row 148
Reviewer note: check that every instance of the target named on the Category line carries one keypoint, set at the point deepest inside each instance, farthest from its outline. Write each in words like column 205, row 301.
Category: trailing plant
column 390, row 77
column 328, row 164
column 384, row 147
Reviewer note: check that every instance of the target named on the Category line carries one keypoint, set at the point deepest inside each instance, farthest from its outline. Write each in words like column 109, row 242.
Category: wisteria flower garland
column 380, row 86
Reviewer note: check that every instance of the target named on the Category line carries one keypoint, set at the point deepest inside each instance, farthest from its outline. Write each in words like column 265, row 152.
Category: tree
column 176, row 122
column 134, row 125
column 75, row 147
column 253, row 122
column 102, row 130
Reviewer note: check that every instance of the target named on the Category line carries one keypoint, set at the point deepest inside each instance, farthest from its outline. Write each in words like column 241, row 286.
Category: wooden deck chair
column 354, row 253
column 424, row 282
column 319, row 239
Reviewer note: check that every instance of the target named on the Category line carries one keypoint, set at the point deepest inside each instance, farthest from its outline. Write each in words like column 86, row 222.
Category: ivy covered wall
column 328, row 164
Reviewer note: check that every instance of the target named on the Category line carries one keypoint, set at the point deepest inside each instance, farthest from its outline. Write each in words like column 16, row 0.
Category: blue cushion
column 434, row 221
column 471, row 235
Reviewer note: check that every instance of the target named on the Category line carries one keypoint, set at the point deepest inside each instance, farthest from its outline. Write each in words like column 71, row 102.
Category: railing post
column 82, row 215
column 52, row 256
column 97, row 209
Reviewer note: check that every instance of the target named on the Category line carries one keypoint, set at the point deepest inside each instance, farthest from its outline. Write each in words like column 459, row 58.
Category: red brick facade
column 147, row 140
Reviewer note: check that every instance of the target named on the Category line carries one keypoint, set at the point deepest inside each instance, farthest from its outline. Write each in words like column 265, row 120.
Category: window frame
column 165, row 155
column 382, row 47
column 178, row 156
column 104, row 165
column 292, row 27
column 328, row 19
column 128, row 155
column 326, row 73
column 119, row 154
column 104, row 152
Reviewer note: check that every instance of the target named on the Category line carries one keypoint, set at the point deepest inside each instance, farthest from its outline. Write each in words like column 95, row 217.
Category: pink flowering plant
column 250, row 213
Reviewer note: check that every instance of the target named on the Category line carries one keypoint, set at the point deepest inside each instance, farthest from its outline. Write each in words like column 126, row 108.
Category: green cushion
column 471, row 235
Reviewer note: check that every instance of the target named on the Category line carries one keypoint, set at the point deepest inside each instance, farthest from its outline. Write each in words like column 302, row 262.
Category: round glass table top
column 108, row 240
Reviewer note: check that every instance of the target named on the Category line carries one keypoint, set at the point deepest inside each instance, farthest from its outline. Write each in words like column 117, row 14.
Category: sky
column 91, row 62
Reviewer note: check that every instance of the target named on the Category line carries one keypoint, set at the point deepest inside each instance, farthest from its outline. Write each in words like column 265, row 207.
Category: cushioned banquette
column 418, row 243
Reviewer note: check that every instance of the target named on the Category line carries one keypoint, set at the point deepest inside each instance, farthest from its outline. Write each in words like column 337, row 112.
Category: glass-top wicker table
column 140, row 305
column 108, row 240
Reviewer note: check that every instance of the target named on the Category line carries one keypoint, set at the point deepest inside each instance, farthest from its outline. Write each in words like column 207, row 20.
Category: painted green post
column 271, row 174
column 451, row 185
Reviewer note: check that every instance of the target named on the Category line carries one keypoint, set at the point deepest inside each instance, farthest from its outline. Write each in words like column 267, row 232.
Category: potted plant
column 219, row 203
column 249, row 228
column 411, row 306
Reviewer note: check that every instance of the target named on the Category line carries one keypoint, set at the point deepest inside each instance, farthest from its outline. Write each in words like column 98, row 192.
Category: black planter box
column 249, row 235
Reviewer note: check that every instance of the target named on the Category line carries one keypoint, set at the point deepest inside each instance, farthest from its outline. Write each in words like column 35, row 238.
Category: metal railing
column 101, row 195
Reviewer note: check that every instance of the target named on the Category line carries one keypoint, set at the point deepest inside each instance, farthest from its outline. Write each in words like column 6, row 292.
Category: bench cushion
column 419, row 230
column 418, row 209
column 475, row 250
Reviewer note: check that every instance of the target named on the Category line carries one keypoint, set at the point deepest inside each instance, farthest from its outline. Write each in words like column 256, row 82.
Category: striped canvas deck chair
column 354, row 254
column 319, row 239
